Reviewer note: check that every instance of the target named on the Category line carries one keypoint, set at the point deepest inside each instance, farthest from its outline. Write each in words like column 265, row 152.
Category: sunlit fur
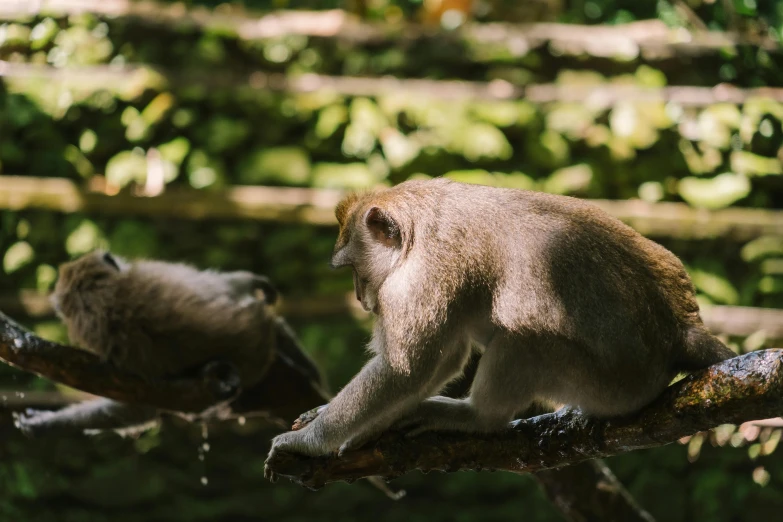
column 569, row 304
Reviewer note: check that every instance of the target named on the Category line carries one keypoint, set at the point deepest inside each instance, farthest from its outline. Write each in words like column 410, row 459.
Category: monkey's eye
column 109, row 260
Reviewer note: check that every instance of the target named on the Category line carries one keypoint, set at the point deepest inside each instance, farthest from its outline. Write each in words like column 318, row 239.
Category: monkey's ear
column 109, row 260
column 383, row 227
column 265, row 285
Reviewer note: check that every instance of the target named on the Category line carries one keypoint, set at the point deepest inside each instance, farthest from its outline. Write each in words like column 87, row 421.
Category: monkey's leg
column 505, row 383
column 97, row 414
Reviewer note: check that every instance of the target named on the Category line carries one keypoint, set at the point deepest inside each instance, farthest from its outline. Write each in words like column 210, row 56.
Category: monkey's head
column 86, row 283
column 373, row 236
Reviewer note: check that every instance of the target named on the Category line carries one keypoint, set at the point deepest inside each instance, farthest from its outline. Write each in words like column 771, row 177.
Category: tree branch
column 741, row 389
column 84, row 371
column 589, row 492
column 287, row 389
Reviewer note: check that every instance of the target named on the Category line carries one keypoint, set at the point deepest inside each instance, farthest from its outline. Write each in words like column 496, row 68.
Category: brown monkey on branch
column 167, row 320
column 158, row 319
column 568, row 303
column 163, row 320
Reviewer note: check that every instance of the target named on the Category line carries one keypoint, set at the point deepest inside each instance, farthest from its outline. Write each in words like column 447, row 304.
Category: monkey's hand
column 307, row 441
column 33, row 422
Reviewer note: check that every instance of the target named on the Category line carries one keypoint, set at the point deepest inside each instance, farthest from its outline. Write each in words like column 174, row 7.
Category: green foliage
column 214, row 135
column 280, row 165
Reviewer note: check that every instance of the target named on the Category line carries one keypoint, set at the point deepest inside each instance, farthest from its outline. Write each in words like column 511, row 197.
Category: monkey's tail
column 702, row 349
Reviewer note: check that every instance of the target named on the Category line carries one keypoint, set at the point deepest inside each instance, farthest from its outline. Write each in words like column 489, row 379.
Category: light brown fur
column 569, row 305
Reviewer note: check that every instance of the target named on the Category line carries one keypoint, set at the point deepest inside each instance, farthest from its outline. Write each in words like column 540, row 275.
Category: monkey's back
column 170, row 319
column 564, row 271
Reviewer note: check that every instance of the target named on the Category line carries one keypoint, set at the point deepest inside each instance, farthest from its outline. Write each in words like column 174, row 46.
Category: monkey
column 166, row 320
column 567, row 304
column 163, row 320
column 158, row 319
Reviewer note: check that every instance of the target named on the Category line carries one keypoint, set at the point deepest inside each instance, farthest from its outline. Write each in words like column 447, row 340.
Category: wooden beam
column 651, row 39
column 316, row 207
column 100, row 77
column 738, row 321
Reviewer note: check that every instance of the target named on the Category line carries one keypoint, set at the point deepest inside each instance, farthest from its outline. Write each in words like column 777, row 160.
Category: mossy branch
column 741, row 389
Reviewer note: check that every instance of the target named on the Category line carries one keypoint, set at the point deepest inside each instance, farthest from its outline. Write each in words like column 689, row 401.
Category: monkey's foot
column 307, row 417
column 439, row 414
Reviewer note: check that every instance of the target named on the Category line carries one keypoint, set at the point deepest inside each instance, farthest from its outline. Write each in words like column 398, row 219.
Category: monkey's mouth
column 358, row 287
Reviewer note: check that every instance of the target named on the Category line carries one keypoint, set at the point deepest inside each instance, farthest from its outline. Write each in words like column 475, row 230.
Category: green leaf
column 284, row 165
column 329, row 120
column 343, row 175
column 499, row 114
column 771, row 284
column 45, row 276
column 398, row 149
column 18, row 255
column 751, row 164
column 569, row 180
column 714, row 284
column 482, row 140
column 175, row 150
column 157, row 108
column 43, row 33
column 126, row 167
column 85, row 238
column 761, row 248
column 718, row 192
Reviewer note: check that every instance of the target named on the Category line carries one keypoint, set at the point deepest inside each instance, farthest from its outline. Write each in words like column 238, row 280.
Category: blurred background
column 222, row 134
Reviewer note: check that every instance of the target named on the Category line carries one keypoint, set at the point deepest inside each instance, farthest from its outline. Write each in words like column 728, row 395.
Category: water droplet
column 201, row 457
column 204, row 432
column 241, row 421
column 205, row 446
column 21, row 395
column 204, row 481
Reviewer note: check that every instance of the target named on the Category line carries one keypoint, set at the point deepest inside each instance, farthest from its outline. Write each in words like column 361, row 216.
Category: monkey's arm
column 97, row 414
column 365, row 407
